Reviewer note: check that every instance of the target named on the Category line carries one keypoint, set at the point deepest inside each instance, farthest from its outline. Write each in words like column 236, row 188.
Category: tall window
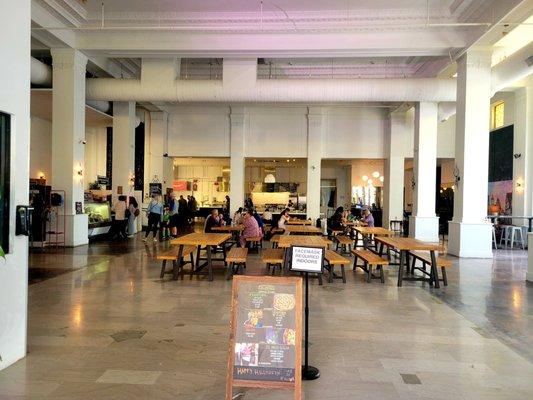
column 497, row 111
column 4, row 180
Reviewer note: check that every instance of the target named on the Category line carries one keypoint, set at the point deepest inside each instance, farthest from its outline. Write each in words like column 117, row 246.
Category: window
column 4, row 180
column 497, row 115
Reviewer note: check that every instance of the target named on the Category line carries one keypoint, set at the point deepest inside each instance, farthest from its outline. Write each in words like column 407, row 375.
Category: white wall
column 95, row 154
column 446, row 138
column 199, row 132
column 354, row 132
column 15, row 100
column 40, row 148
column 342, row 175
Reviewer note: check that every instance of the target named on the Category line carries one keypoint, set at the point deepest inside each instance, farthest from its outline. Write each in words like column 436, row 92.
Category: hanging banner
column 179, row 186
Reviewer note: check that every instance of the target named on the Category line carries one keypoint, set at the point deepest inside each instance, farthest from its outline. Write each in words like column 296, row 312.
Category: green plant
column 2, row 254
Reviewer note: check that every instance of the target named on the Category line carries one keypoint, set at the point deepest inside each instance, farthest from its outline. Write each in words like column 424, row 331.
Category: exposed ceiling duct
column 512, row 69
column 277, row 90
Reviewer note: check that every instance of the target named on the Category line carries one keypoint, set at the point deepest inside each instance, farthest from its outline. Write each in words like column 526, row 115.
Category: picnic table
column 368, row 233
column 303, row 229
column 404, row 246
column 234, row 230
column 200, row 240
column 298, row 221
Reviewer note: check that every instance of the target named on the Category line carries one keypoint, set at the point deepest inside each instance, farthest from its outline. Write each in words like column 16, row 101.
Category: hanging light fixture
column 369, row 182
column 364, row 178
column 270, row 178
column 375, row 174
column 381, row 178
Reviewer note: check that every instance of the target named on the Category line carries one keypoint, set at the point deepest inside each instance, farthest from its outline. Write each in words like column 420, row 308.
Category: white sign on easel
column 307, row 259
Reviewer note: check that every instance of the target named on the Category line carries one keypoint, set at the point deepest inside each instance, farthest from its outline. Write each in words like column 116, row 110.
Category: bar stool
column 518, row 230
column 494, row 242
column 505, row 235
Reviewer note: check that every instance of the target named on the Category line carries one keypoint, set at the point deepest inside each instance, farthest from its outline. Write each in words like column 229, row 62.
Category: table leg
column 209, row 264
column 381, row 249
column 175, row 270
column 400, row 269
column 407, row 265
column 434, row 269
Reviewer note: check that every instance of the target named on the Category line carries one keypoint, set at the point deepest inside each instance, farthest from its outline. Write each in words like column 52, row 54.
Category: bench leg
column 444, row 277
column 198, row 256
column 163, row 268
column 224, row 253
column 413, row 265
column 331, row 272
column 354, row 262
column 400, row 269
column 192, row 265
column 320, row 279
column 369, row 274
column 381, row 274
column 229, row 272
column 175, row 269
column 343, row 274
column 209, row 264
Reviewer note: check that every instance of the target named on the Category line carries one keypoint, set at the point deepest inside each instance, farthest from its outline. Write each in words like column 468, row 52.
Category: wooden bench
column 237, row 260
column 275, row 240
column 332, row 258
column 425, row 257
column 345, row 243
column 255, row 243
column 335, row 232
column 172, row 255
column 370, row 258
column 273, row 258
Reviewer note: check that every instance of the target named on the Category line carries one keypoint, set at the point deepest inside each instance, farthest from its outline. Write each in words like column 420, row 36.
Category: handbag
column 136, row 212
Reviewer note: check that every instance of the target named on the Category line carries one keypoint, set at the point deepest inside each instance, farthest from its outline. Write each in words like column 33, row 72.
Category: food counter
column 99, row 217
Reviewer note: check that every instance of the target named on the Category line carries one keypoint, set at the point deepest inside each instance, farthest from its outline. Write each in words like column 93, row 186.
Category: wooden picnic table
column 304, row 229
column 286, row 241
column 202, row 240
column 368, row 233
column 235, row 231
column 404, row 245
column 298, row 221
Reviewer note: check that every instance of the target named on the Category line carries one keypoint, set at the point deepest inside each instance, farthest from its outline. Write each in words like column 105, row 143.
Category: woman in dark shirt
column 336, row 219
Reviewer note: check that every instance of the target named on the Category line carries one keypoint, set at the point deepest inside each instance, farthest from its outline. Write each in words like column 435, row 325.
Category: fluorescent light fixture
column 375, row 174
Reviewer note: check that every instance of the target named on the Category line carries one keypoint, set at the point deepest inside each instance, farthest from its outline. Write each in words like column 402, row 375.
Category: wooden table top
column 202, row 239
column 354, row 223
column 302, row 240
column 298, row 221
column 229, row 228
column 303, row 229
column 402, row 243
column 378, row 231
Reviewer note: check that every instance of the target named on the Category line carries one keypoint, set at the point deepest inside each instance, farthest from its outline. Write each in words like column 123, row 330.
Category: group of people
column 340, row 217
column 252, row 222
column 126, row 210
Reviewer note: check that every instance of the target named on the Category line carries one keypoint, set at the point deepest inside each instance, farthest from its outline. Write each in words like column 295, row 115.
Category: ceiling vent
column 529, row 61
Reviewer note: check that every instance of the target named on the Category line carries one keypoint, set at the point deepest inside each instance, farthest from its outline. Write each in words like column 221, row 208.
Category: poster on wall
column 501, row 197
column 179, row 186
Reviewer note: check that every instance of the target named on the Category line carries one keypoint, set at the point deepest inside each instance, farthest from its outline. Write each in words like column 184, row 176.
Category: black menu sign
column 265, row 339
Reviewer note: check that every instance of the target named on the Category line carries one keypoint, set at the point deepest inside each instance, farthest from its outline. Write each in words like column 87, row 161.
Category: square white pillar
column 470, row 234
column 529, row 274
column 423, row 223
column 315, row 127
column 123, row 148
column 236, row 182
column 156, row 145
column 68, row 136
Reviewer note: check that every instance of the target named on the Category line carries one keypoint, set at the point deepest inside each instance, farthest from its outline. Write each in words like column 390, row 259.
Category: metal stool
column 505, row 235
column 518, row 230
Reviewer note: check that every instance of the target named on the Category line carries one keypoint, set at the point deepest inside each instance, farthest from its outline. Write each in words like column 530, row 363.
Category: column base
column 424, row 228
column 470, row 240
column 76, row 230
column 529, row 274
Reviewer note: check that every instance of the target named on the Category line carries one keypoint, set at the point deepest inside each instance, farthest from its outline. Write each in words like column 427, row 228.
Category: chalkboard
column 266, row 334
column 155, row 188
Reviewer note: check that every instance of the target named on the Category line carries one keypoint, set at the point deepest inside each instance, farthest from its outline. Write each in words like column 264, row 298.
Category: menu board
column 266, row 335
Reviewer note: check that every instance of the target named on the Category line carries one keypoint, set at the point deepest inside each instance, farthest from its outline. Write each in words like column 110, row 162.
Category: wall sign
column 179, row 186
column 156, row 188
column 307, row 259
column 266, row 334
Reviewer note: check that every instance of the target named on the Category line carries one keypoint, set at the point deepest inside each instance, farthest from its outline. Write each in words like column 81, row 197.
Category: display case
column 99, row 214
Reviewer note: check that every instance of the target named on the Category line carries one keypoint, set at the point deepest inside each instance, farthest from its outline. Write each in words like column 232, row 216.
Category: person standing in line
column 133, row 207
column 194, row 209
column 155, row 212
column 174, row 215
column 120, row 221
column 182, row 210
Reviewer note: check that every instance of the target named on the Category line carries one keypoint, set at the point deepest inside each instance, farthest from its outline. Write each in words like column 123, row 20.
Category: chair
column 518, row 231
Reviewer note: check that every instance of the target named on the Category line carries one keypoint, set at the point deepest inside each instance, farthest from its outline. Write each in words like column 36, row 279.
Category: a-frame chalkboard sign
column 265, row 346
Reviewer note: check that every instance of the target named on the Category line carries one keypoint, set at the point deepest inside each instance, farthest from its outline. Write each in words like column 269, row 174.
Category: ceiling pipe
column 41, row 74
column 274, row 90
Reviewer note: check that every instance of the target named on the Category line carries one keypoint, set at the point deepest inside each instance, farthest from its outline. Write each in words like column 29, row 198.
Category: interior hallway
column 112, row 328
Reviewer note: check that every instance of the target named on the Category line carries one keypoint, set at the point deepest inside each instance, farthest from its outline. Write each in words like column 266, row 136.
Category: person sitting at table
column 368, row 218
column 238, row 216
column 353, row 216
column 267, row 215
column 282, row 222
column 259, row 221
column 336, row 219
column 212, row 221
column 251, row 228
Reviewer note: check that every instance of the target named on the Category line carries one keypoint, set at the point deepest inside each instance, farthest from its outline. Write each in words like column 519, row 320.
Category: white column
column 394, row 169
column 423, row 223
column 315, row 127
column 469, row 231
column 15, row 100
column 529, row 274
column 123, row 147
column 523, row 145
column 155, row 150
column 236, row 181
column 68, row 136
